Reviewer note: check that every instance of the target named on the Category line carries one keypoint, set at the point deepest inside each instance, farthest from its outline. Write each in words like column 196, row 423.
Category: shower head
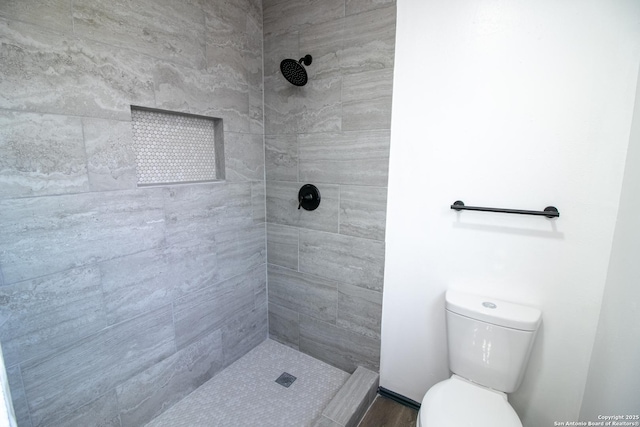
column 293, row 70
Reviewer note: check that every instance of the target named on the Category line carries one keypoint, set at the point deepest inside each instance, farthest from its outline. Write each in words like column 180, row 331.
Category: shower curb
column 350, row 403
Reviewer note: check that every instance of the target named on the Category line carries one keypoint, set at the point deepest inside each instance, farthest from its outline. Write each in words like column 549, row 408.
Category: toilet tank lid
column 491, row 310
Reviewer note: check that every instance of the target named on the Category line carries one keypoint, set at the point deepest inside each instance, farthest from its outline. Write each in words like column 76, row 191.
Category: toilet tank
column 489, row 340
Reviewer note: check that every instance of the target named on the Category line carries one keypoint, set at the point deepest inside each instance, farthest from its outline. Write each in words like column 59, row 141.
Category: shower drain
column 285, row 379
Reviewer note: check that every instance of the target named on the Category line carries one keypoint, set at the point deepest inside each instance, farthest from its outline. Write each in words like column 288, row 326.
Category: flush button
column 489, row 304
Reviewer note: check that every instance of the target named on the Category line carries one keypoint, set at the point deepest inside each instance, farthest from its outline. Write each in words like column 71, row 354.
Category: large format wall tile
column 344, row 259
column 366, row 100
column 230, row 16
column 240, row 250
column 226, row 94
column 309, row 295
column 41, row 154
column 20, row 404
column 244, row 156
column 234, row 48
column 151, row 279
column 51, row 73
column 200, row 313
column 281, row 107
column 243, row 332
column 254, row 9
column 200, row 211
column 281, row 157
column 136, row 283
column 321, row 110
column 284, row 325
column 102, row 412
column 356, row 158
column 258, row 201
column 360, row 310
column 48, row 234
column 363, row 211
column 183, row 89
column 324, row 43
column 39, row 315
column 369, row 41
column 193, row 211
column 227, row 20
column 160, row 28
column 282, row 207
column 281, row 16
column 278, row 47
column 111, row 158
column 256, row 107
column 341, row 348
column 227, row 38
column 282, row 246
column 357, row 6
column 220, row 93
column 52, row 14
column 255, row 74
column 237, row 209
column 85, row 370
column 153, row 391
column 193, row 265
column 260, row 295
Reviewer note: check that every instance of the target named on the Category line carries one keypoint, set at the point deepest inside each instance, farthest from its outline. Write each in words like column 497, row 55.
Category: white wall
column 516, row 104
column 613, row 384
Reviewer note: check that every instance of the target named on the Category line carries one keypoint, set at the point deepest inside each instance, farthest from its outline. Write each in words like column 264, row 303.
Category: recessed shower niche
column 174, row 147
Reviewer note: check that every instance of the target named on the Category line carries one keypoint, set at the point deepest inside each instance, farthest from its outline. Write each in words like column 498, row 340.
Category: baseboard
column 398, row 398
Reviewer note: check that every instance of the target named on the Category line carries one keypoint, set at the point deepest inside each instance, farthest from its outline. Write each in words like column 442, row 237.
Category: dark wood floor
column 387, row 413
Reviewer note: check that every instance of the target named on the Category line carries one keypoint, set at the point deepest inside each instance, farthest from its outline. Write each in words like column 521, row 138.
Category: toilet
column 489, row 344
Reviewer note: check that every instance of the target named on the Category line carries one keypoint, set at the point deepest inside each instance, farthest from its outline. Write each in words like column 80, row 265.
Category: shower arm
column 307, row 59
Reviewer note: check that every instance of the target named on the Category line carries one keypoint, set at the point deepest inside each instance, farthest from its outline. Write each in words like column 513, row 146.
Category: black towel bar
column 549, row 211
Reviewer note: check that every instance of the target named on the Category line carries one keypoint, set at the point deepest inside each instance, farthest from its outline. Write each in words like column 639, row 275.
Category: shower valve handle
column 306, row 197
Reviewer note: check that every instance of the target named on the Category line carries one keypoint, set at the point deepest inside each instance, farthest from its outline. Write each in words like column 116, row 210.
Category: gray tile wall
column 326, row 267
column 115, row 302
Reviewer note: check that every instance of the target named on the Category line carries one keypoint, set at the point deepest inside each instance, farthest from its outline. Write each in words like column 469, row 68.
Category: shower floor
column 246, row 393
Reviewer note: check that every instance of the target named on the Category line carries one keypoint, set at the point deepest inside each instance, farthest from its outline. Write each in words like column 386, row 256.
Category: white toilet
column 489, row 344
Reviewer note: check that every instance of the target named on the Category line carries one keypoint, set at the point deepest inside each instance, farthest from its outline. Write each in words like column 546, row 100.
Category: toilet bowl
column 458, row 402
column 489, row 343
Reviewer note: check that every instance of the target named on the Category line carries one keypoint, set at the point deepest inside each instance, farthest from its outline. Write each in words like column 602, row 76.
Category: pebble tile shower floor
column 246, row 392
